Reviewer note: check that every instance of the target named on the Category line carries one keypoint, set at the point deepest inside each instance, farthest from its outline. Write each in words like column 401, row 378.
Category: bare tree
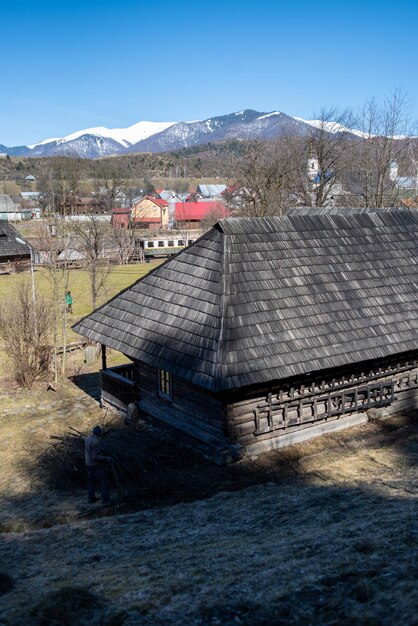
column 67, row 176
column 318, row 160
column 384, row 142
column 91, row 238
column 54, row 240
column 111, row 179
column 46, row 195
column 180, row 186
column 213, row 216
column 25, row 331
column 261, row 173
column 124, row 241
column 75, row 172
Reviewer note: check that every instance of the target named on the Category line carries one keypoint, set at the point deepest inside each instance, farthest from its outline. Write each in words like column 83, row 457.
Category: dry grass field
column 322, row 533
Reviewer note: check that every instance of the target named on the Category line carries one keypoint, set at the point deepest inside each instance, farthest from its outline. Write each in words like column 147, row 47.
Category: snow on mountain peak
column 331, row 127
column 43, row 142
column 272, row 114
column 125, row 136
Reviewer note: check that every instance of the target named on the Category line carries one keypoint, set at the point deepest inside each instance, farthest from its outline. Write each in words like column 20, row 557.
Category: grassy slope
column 331, row 538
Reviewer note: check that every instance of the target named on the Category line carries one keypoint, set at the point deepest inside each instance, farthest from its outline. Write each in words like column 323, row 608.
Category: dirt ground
column 320, row 533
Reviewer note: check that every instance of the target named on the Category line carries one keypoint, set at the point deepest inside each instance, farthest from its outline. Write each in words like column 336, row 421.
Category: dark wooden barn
column 269, row 331
column 14, row 251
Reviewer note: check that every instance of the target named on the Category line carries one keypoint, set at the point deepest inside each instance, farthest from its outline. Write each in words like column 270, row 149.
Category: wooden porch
column 118, row 386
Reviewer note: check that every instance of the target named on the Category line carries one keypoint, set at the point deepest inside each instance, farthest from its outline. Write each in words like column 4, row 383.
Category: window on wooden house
column 165, row 384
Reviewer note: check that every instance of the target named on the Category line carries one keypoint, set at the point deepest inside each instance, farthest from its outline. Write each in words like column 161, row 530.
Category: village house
column 270, row 331
column 121, row 217
column 30, row 196
column 11, row 212
column 15, row 254
column 210, row 191
column 195, row 214
column 151, row 213
column 170, row 195
column 404, row 183
column 120, row 198
column 87, row 205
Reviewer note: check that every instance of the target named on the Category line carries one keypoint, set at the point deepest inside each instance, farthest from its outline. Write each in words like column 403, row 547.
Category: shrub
column 25, row 330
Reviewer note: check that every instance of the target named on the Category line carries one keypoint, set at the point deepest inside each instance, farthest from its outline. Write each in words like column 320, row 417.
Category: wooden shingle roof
column 9, row 247
column 6, row 204
column 260, row 299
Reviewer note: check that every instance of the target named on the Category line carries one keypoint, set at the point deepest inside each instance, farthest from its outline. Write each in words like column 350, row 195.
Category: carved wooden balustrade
column 321, row 400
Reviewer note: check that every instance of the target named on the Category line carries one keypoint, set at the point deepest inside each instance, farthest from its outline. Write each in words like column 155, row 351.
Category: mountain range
column 100, row 141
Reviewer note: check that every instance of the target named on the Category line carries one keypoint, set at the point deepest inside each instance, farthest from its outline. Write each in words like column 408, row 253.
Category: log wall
column 194, row 414
column 282, row 414
column 255, row 420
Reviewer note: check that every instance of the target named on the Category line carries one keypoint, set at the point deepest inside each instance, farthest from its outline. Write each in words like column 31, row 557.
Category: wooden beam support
column 104, row 360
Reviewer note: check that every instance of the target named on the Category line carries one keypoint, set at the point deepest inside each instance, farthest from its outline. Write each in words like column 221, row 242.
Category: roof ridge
column 219, row 362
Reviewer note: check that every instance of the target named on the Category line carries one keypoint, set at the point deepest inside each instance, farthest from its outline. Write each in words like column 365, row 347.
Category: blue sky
column 72, row 65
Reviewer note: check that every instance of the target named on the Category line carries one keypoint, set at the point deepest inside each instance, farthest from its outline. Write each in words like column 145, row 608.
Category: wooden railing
column 316, row 408
column 118, row 385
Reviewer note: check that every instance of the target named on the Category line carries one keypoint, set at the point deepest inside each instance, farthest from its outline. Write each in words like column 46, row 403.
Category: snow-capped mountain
column 246, row 124
column 100, row 141
column 86, row 146
column 125, row 136
column 91, row 143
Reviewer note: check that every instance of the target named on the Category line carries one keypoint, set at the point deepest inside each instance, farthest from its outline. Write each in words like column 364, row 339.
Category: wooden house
column 89, row 205
column 121, row 218
column 151, row 213
column 269, row 331
column 14, row 251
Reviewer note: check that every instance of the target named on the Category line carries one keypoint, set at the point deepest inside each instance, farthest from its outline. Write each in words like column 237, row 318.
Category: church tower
column 393, row 171
column 313, row 168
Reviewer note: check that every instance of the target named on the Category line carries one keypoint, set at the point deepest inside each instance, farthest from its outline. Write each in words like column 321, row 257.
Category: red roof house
column 189, row 214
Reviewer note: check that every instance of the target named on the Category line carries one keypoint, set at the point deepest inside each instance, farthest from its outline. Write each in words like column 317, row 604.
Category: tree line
column 345, row 160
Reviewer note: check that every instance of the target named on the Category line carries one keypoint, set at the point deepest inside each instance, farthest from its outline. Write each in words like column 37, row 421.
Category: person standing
column 95, row 463
column 69, row 301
